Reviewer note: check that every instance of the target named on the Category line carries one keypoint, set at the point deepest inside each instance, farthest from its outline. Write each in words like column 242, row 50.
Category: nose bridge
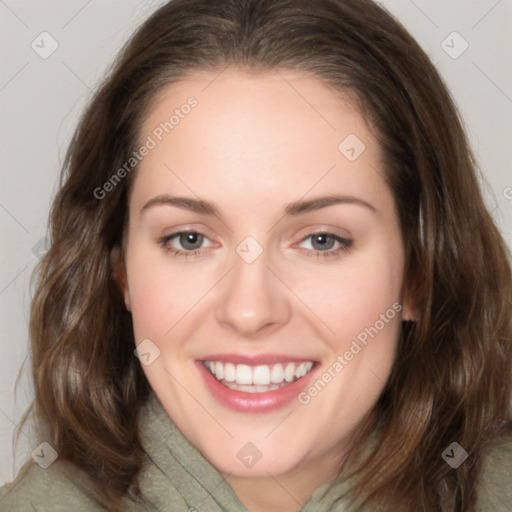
column 251, row 298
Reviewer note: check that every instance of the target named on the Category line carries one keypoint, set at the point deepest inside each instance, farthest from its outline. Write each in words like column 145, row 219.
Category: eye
column 190, row 241
column 323, row 244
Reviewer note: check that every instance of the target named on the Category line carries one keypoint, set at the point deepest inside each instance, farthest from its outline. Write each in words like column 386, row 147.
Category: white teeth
column 229, row 372
column 219, row 370
column 289, row 372
column 300, row 371
column 243, row 374
column 257, row 379
column 261, row 375
column 252, row 389
column 277, row 374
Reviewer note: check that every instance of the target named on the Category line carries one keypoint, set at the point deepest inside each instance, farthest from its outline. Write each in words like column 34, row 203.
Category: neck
column 287, row 492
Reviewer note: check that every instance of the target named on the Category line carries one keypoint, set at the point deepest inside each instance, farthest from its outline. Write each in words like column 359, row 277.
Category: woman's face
column 263, row 245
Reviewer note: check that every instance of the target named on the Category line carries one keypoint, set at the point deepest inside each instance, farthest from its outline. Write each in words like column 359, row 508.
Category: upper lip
column 254, row 360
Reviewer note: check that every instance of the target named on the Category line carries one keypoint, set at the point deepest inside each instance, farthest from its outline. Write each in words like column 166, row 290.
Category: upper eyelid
column 322, row 229
column 343, row 241
column 176, row 234
column 310, row 233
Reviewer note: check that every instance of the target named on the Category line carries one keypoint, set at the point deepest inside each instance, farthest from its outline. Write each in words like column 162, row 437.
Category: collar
column 177, row 477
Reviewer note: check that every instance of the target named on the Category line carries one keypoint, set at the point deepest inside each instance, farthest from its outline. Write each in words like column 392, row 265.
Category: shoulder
column 57, row 488
column 495, row 490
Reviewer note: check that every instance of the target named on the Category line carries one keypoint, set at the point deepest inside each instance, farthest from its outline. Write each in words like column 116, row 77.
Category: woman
column 273, row 284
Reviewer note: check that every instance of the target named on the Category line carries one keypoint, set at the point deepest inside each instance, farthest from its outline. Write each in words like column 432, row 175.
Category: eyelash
column 345, row 245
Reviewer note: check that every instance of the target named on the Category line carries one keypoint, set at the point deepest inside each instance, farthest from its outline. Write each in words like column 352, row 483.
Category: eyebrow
column 292, row 209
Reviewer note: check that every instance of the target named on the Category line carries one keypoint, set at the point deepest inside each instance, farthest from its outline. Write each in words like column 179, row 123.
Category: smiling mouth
column 260, row 378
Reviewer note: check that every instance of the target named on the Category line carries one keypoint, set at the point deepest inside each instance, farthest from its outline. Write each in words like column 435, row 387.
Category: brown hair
column 452, row 378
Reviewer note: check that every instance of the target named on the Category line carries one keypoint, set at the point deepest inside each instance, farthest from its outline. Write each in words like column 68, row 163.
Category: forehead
column 285, row 106
column 253, row 133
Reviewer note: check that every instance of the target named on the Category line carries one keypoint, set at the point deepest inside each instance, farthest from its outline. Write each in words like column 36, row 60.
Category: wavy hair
column 452, row 378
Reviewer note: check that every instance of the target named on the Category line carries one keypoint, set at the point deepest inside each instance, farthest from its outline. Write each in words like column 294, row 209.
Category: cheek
column 154, row 295
column 162, row 292
column 358, row 298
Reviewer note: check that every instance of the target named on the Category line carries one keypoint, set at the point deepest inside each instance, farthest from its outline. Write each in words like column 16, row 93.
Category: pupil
column 325, row 241
column 190, row 239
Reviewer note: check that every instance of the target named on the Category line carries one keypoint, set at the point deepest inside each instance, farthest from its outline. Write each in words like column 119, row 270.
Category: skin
column 255, row 143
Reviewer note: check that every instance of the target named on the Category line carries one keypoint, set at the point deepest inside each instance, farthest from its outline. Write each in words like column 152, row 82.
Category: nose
column 252, row 302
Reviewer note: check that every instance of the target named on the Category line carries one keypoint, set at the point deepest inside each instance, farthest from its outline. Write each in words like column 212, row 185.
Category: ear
column 119, row 272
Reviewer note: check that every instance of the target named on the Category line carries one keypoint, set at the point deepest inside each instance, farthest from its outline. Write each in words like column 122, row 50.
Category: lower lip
column 241, row 401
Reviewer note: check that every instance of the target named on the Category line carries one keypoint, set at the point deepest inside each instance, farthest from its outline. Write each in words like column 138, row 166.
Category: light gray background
column 41, row 99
